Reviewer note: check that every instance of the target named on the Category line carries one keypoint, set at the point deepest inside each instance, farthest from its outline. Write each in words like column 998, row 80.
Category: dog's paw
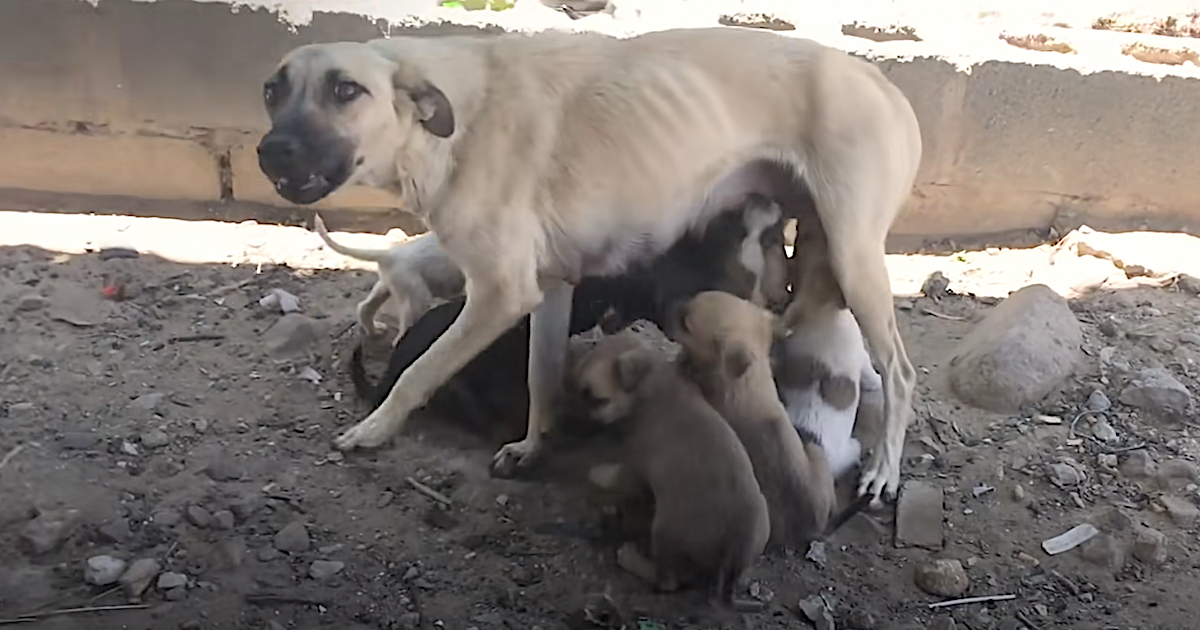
column 880, row 479
column 369, row 433
column 514, row 456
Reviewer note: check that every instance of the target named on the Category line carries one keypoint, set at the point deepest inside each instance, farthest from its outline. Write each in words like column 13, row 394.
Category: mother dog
column 541, row 159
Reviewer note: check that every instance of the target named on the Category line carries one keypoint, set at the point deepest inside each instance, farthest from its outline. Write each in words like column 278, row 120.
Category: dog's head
column 722, row 333
column 610, row 374
column 339, row 114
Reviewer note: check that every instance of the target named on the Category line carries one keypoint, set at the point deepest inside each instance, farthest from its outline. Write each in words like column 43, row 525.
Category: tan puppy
column 416, row 274
column 709, row 516
column 725, row 346
column 540, row 159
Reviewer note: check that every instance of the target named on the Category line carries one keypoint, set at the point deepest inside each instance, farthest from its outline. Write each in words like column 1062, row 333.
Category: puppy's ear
column 736, row 358
column 631, row 368
column 433, row 108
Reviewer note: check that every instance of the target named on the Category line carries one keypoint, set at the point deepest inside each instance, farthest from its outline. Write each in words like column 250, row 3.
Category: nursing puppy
column 413, row 273
column 725, row 348
column 491, row 393
column 710, row 519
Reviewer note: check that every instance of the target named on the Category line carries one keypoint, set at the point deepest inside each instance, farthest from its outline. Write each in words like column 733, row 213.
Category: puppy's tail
column 358, row 374
column 370, row 255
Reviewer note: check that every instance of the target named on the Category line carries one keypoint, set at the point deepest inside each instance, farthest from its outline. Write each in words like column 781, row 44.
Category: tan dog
column 542, row 159
column 725, row 346
column 709, row 515
column 416, row 274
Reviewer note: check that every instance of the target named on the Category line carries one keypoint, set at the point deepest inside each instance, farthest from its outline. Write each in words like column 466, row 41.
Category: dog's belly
column 834, row 428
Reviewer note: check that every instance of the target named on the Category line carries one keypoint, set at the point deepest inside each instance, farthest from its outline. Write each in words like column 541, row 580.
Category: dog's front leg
column 549, row 330
column 490, row 309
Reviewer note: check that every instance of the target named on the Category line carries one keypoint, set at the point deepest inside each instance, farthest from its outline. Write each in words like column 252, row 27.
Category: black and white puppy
column 491, row 394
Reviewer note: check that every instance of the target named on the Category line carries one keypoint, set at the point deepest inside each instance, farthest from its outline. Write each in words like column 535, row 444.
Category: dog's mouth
column 304, row 191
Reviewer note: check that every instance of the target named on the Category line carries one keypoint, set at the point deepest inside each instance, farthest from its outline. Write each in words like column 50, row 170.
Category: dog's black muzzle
column 303, row 171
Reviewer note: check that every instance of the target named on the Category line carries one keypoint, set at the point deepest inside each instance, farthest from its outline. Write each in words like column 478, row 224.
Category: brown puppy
column 725, row 348
column 710, row 519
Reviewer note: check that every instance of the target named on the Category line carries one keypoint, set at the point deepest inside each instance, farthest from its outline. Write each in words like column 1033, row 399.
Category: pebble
column 80, row 440
column 291, row 335
column 103, row 570
column 155, row 438
column 267, row 554
column 1158, row 392
column 31, row 302
column 1104, row 550
column 324, row 569
column 166, row 518
column 223, row 519
column 816, row 553
column 169, row 580
column 223, row 468
column 1175, row 472
column 175, row 594
column 943, row 577
column 1149, row 545
column 117, row 531
column 385, row 499
column 919, row 515
column 1065, row 475
column 816, row 611
column 1183, row 513
column 1189, row 338
column 1104, row 431
column 199, row 516
column 1161, row 344
column 1097, row 401
column 1018, row 492
column 1139, row 465
column 148, row 402
column 293, row 538
column 944, row 623
column 50, row 530
column 138, row 576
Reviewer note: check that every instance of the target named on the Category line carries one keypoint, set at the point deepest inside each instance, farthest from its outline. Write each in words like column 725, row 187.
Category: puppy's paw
column 370, row 433
column 880, row 478
column 515, row 455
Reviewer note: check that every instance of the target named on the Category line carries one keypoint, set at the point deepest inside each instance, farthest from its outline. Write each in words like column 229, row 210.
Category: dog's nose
column 278, row 148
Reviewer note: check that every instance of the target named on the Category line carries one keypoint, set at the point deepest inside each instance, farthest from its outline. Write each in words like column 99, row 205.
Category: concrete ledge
column 1024, row 129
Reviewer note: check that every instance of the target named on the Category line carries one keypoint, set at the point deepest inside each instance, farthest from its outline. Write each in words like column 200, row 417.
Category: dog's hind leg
column 492, row 307
column 549, row 333
column 370, row 305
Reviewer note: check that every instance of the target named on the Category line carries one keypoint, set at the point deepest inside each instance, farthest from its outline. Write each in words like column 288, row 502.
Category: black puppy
column 490, row 395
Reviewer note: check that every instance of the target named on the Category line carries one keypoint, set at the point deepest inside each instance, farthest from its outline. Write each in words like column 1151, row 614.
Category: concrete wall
column 152, row 108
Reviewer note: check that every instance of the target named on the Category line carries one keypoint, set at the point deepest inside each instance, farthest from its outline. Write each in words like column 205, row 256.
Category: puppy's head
column 722, row 332
column 610, row 374
column 339, row 114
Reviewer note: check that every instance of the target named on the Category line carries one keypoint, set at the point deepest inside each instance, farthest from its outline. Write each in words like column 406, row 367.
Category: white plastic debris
column 1071, row 539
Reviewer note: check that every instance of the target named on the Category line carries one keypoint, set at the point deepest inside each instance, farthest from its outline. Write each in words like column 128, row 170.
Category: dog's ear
column 631, row 368
column 736, row 358
column 433, row 108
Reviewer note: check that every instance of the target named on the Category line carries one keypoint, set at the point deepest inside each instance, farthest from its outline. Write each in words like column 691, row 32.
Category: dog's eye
column 346, row 91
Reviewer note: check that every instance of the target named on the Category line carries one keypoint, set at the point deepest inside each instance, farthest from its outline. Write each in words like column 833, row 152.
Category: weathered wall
column 153, row 108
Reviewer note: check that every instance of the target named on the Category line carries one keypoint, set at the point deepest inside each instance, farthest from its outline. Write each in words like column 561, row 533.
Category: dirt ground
column 170, row 426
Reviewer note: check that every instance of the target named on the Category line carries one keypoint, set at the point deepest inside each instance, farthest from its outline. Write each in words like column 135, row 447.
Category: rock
column 138, row 576
column 324, row 569
column 148, row 402
column 223, row 520
column 1021, row 351
column 944, row 578
column 1018, row 492
column 175, row 594
column 943, row 623
column 267, row 554
column 1066, row 474
column 50, row 530
column 117, row 531
column 1188, row 284
column 155, row 438
column 1183, row 513
column 919, row 515
column 103, row 570
column 166, row 517
column 168, row 581
column 199, row 516
column 224, row 468
column 31, row 302
column 859, row 619
column 1189, row 338
column 1173, row 474
column 1149, row 545
column 1158, row 392
column 1097, row 401
column 1104, row 431
column 936, row 286
column 816, row 553
column 291, row 335
column 816, row 611
column 80, row 440
column 1139, row 465
column 293, row 538
column 1104, row 550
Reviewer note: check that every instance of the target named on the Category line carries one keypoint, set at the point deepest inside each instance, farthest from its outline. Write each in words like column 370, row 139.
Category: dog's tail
column 370, row 255
column 358, row 374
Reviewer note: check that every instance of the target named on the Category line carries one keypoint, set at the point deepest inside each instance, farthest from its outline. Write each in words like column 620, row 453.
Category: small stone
column 1027, row 559
column 816, row 611
column 50, row 530
column 1189, row 338
column 1139, row 465
column 1098, row 402
column 324, row 569
column 293, row 538
column 385, row 499
column 1018, row 492
column 138, row 576
column 1105, row 551
column 224, row 468
column 166, row 518
column 223, row 519
column 117, row 531
column 1104, row 431
column 80, row 440
column 1107, row 460
column 1158, row 392
column 148, row 402
column 919, row 515
column 944, row 623
column 816, row 553
column 175, row 594
column 199, row 516
column 168, row 581
column 943, row 577
column 1149, row 545
column 859, row 619
column 103, row 570
column 1161, row 344
column 1183, row 513
column 1188, row 284
column 155, row 438
column 1177, row 472
column 267, row 554
column 1065, row 475
column 200, row 425
column 31, row 302
column 244, row 506
column 291, row 335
